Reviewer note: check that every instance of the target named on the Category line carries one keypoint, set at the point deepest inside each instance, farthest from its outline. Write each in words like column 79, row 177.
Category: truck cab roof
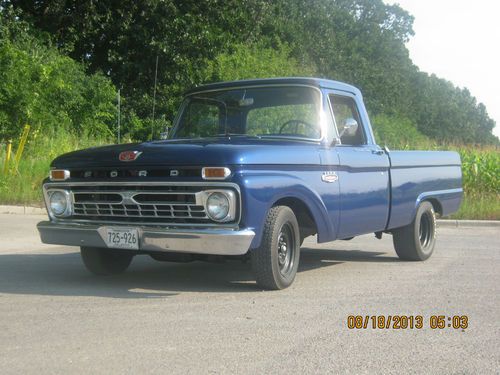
column 309, row 81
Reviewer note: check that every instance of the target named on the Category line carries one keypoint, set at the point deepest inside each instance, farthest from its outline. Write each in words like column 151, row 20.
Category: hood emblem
column 329, row 177
column 129, row 155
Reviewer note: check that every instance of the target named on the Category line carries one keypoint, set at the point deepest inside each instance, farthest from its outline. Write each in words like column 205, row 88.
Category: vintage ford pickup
column 248, row 171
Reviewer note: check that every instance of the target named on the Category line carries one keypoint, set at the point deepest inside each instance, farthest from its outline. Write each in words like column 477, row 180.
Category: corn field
column 480, row 170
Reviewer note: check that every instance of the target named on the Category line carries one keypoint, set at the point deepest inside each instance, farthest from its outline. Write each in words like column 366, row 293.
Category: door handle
column 378, row 152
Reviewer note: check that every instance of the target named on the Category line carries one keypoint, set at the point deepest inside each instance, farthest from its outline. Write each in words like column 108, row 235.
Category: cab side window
column 344, row 108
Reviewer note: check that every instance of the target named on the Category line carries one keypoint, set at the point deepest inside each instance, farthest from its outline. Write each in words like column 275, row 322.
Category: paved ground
column 209, row 318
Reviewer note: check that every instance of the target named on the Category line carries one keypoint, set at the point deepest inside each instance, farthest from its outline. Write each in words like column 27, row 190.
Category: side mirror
column 350, row 127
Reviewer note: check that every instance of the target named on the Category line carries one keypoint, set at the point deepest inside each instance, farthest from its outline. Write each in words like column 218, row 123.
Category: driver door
column 363, row 172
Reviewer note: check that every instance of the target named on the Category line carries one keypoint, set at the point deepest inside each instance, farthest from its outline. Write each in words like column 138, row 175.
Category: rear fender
column 443, row 201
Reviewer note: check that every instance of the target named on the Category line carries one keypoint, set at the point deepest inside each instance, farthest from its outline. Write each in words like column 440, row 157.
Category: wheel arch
column 438, row 208
column 311, row 203
column 305, row 218
column 433, row 198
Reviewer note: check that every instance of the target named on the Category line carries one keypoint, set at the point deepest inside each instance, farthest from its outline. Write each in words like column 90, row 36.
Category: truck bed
column 423, row 175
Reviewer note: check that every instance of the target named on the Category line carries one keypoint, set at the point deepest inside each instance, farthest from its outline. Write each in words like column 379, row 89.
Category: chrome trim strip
column 142, row 183
column 198, row 241
column 437, row 193
column 149, row 223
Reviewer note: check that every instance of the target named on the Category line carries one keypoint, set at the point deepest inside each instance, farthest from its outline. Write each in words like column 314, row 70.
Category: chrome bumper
column 197, row 241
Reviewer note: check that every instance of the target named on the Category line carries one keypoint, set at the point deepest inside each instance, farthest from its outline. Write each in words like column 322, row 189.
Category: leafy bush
column 397, row 132
column 42, row 87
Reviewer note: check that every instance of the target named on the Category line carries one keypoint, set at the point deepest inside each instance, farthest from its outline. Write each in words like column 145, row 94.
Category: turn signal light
column 215, row 173
column 59, row 174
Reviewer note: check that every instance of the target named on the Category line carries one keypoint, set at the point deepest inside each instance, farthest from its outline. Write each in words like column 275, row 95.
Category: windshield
column 287, row 111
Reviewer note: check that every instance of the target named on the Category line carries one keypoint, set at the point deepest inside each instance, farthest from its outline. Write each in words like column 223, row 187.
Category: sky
column 459, row 41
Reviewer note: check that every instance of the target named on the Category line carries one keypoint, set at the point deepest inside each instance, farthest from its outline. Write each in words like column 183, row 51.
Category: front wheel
column 416, row 240
column 276, row 261
column 101, row 261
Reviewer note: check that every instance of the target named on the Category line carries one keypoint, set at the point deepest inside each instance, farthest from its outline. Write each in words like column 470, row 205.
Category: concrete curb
column 468, row 223
column 22, row 210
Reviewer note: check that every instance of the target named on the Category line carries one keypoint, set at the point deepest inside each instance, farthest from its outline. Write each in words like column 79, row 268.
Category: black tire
column 416, row 241
column 105, row 262
column 276, row 261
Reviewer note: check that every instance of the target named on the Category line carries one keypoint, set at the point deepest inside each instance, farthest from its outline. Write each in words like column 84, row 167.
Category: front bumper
column 197, row 241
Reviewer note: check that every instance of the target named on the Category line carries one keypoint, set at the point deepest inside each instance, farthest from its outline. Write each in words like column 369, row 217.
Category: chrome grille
column 141, row 203
column 162, row 211
column 144, row 203
column 169, row 205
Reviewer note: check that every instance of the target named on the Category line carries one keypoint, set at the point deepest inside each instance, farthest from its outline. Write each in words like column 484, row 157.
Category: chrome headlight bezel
column 229, row 195
column 49, row 194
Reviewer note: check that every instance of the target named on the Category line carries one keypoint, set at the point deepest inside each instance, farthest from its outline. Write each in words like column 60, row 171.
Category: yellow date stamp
column 407, row 322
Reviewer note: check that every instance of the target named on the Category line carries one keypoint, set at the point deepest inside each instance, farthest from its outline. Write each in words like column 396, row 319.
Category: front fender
column 261, row 190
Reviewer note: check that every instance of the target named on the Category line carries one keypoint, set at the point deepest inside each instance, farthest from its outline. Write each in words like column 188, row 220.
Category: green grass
column 480, row 169
column 25, row 187
column 478, row 207
column 22, row 185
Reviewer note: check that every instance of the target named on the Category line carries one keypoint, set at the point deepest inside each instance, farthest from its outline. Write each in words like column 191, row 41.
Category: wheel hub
column 282, row 250
column 425, row 231
column 286, row 251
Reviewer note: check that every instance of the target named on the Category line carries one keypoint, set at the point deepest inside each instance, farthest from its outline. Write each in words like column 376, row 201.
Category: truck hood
column 199, row 152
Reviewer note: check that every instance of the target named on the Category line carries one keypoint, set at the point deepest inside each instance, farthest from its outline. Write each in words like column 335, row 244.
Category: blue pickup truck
column 249, row 170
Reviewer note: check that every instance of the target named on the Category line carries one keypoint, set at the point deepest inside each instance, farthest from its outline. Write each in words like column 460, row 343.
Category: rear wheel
column 416, row 241
column 276, row 261
column 101, row 261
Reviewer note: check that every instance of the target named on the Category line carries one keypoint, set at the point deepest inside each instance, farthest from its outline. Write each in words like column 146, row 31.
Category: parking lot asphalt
column 169, row 318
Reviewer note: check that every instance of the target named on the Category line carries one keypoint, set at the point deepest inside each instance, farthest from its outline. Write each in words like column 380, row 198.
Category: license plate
column 121, row 238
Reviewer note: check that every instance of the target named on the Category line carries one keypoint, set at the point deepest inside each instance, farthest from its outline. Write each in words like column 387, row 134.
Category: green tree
column 358, row 41
column 42, row 87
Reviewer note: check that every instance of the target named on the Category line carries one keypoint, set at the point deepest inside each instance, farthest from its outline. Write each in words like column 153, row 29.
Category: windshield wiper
column 237, row 135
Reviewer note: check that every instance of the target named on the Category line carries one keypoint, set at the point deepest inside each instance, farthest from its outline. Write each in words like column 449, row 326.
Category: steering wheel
column 297, row 123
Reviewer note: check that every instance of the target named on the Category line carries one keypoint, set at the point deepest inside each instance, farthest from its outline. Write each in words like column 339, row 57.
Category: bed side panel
column 423, row 175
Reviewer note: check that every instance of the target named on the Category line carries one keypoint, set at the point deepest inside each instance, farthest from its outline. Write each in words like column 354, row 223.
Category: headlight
column 58, row 203
column 217, row 206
